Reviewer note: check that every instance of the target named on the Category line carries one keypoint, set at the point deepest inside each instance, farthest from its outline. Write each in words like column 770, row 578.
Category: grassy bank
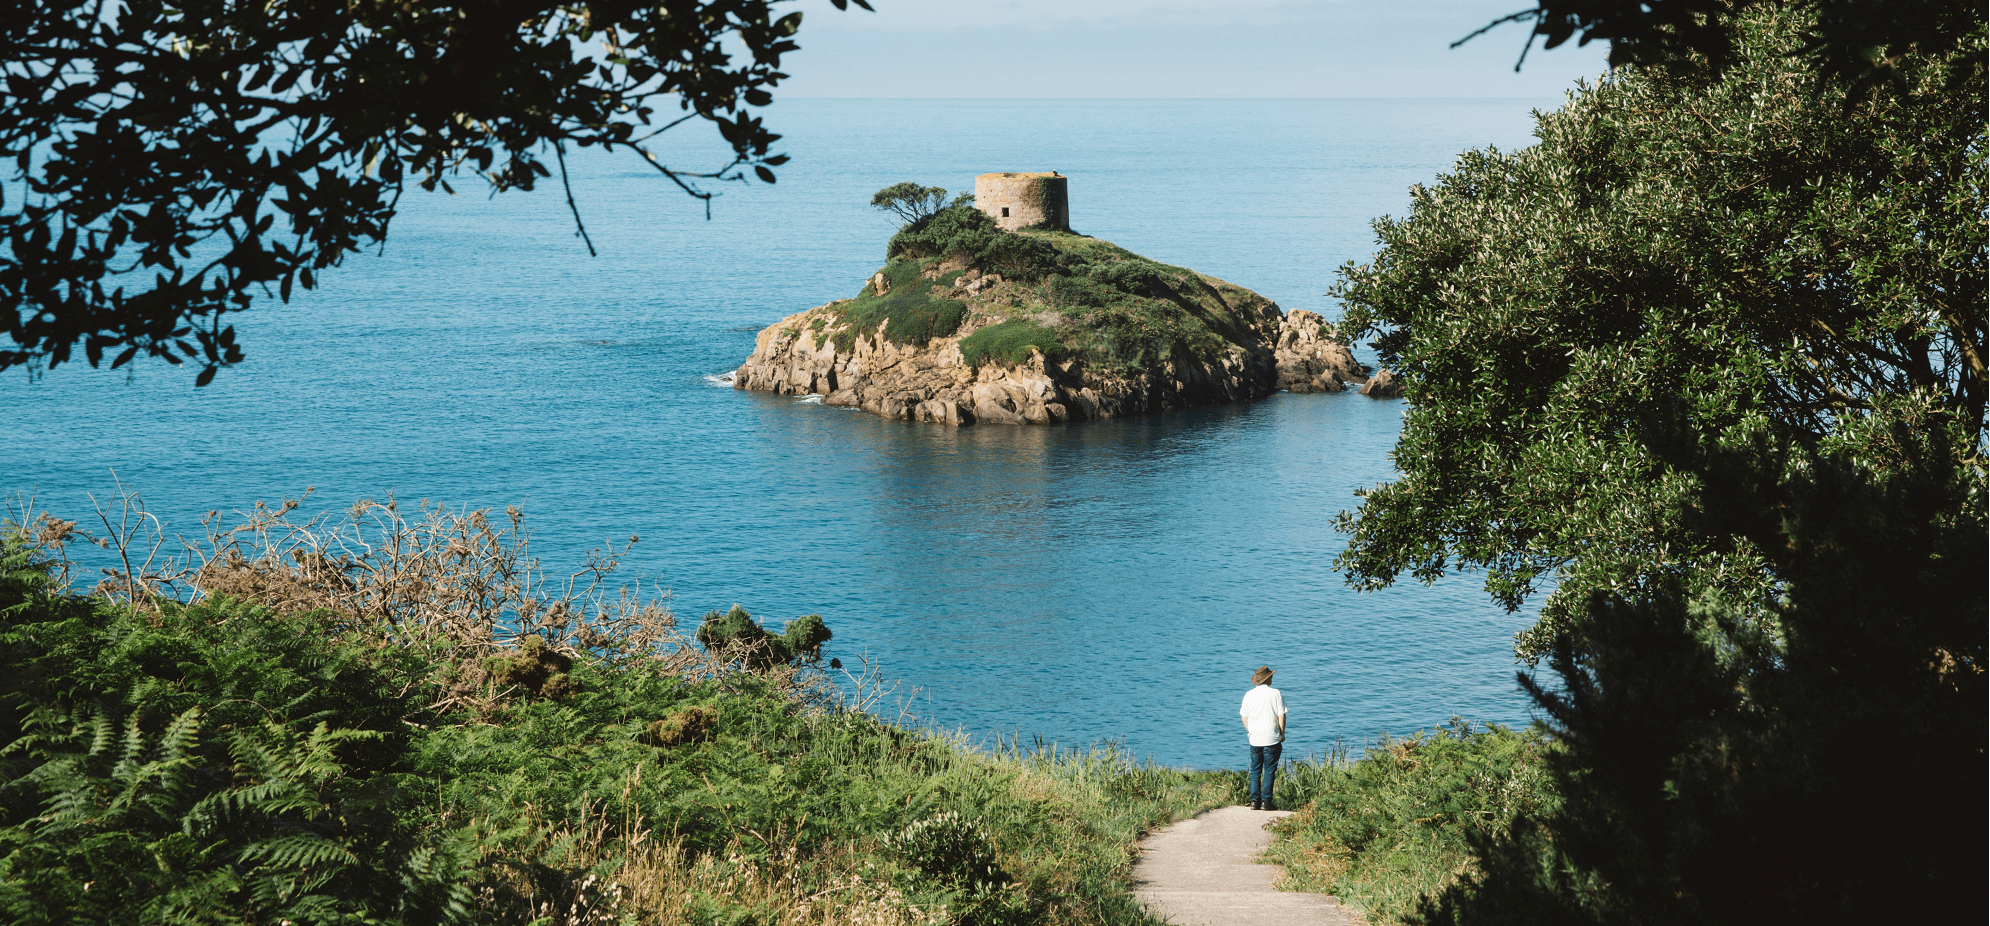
column 424, row 736
column 1389, row 831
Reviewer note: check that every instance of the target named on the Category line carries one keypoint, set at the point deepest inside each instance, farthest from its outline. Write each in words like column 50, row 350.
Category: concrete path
column 1204, row 872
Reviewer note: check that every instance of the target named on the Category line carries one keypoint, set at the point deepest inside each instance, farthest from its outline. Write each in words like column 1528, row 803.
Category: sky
column 1173, row 49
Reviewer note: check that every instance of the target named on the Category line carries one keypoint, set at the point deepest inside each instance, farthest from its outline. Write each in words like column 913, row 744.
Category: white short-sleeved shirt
column 1263, row 706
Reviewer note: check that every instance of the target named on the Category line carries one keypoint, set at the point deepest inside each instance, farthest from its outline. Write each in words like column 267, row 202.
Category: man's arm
column 1281, row 725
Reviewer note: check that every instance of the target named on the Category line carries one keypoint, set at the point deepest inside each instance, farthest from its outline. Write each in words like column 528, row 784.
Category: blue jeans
column 1264, row 767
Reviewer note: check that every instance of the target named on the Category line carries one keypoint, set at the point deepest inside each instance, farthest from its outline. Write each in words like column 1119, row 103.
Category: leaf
column 206, row 376
column 765, row 174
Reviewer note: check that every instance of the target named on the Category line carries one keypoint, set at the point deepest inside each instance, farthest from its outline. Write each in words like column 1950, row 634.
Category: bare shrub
column 460, row 585
column 141, row 575
column 440, row 576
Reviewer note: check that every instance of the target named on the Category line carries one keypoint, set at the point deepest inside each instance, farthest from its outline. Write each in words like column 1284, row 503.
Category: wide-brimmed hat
column 1261, row 676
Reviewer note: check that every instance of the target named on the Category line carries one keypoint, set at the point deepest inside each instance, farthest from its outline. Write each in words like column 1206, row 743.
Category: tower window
column 1005, row 212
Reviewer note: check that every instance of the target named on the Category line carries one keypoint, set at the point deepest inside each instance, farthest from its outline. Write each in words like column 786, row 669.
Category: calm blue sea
column 1114, row 580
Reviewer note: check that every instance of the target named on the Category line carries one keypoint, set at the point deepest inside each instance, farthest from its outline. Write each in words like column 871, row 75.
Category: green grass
column 1395, row 828
column 908, row 310
column 224, row 762
column 1010, row 342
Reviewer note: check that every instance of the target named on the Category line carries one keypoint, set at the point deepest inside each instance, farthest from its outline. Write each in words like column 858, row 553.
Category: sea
column 1108, row 582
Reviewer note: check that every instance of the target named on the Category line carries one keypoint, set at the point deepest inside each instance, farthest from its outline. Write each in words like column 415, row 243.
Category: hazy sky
column 1173, row 49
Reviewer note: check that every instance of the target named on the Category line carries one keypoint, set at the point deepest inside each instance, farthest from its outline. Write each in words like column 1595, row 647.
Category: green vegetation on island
column 280, row 754
column 1069, row 296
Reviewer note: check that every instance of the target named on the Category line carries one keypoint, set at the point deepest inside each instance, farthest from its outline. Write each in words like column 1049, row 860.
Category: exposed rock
column 1310, row 358
column 1382, row 385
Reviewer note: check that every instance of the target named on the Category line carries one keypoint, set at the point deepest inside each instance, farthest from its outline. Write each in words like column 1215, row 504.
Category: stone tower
column 1022, row 200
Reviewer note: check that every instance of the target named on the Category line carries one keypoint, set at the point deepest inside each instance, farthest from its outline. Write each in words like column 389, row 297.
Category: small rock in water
column 1383, row 386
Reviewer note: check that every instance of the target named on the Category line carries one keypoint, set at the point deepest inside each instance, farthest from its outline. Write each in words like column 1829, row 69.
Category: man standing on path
column 1264, row 718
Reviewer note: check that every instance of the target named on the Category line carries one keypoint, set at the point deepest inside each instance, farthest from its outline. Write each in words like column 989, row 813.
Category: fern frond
column 133, row 755
column 296, row 852
column 176, row 752
column 103, row 731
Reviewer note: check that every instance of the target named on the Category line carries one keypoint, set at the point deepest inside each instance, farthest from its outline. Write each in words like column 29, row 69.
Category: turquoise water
column 1110, row 580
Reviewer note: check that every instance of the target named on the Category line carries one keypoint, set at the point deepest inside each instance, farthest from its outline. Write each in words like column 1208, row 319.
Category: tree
column 156, row 145
column 913, row 203
column 1709, row 361
column 1859, row 40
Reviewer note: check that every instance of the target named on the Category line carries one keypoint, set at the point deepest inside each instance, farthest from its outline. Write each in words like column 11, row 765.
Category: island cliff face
column 1074, row 329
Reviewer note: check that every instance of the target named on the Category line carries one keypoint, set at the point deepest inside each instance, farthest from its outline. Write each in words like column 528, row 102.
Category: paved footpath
column 1204, row 872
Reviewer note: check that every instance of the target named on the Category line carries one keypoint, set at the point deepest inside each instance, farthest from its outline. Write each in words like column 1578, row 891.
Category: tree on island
column 1709, row 361
column 156, row 146
column 913, row 203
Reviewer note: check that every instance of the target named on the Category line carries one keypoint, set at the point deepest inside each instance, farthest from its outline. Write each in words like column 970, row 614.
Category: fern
column 210, row 765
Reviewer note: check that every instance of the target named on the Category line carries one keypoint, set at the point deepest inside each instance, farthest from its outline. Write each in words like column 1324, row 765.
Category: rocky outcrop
column 1383, row 385
column 1264, row 350
column 1310, row 358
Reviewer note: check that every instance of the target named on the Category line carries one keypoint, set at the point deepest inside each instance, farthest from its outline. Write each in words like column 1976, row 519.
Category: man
column 1264, row 718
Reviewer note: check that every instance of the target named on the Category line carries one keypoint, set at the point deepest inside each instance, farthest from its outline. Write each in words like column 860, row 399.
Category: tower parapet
column 1024, row 200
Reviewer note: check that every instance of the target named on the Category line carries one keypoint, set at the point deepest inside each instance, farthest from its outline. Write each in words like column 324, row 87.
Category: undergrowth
column 1391, row 830
column 297, row 757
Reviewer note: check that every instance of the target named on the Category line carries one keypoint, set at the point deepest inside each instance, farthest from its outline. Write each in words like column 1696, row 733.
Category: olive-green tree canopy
column 913, row 203
column 172, row 160
column 1719, row 261
column 1707, row 364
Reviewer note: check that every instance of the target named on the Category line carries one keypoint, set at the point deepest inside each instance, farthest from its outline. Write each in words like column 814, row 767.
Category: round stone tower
column 1024, row 200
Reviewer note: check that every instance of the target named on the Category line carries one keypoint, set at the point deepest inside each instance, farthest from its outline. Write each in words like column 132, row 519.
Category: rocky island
column 998, row 313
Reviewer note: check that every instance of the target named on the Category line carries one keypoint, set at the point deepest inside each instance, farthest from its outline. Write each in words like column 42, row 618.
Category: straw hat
column 1261, row 676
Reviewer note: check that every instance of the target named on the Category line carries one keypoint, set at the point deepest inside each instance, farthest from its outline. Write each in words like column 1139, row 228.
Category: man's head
column 1262, row 676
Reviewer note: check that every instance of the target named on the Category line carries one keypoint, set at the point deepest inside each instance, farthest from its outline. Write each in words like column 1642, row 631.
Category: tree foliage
column 1678, row 261
column 172, row 160
column 912, row 202
column 1863, row 42
column 1708, row 362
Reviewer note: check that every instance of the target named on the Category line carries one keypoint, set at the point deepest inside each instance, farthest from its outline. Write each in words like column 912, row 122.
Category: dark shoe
column 1254, row 805
column 1265, row 805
